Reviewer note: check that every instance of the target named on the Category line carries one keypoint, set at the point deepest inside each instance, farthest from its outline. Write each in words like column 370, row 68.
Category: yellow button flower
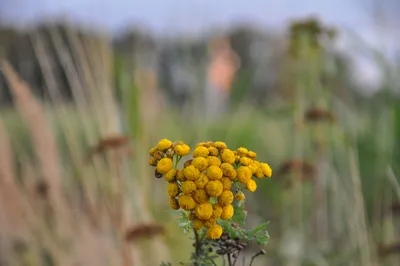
column 240, row 196
column 245, row 161
column 164, row 165
column 220, row 145
column 201, row 196
column 201, row 181
column 182, row 149
column 152, row 161
column 204, row 211
column 191, row 172
column 213, row 151
column 227, row 156
column 243, row 174
column 214, row 232
column 214, row 172
column 200, row 151
column 213, row 160
column 225, row 198
column 251, row 154
column 214, row 188
column 152, row 151
column 227, row 212
column 200, row 163
column 173, row 203
column 173, row 189
column 251, row 185
column 217, row 210
column 210, row 222
column 242, row 151
column 158, row 155
column 254, row 167
column 188, row 187
column 186, row 202
column 198, row 224
column 180, row 176
column 226, row 183
column 228, row 170
column 170, row 175
column 267, row 171
column 259, row 173
column 164, row 144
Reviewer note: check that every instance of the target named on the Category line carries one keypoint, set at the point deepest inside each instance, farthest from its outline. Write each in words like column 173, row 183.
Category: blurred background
column 87, row 87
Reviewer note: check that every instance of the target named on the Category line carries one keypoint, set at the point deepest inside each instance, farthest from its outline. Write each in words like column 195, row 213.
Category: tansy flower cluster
column 204, row 187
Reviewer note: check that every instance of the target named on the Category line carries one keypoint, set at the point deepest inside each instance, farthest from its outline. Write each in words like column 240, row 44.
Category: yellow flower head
column 259, row 173
column 204, row 211
column 220, row 145
column 251, row 185
column 152, row 151
column 214, row 172
column 170, row 153
column 201, row 196
column 254, row 167
column 200, row 151
column 164, row 144
column 225, row 198
column 226, row 183
column 201, row 181
column 251, row 154
column 209, row 144
column 186, row 202
column 213, row 160
column 152, row 161
column 200, row 163
column 227, row 212
column 173, row 189
column 243, row 174
column 182, row 149
column 267, row 171
column 245, row 161
column 240, row 196
column 227, row 156
column 197, row 224
column 173, row 203
column 164, row 165
column 217, row 210
column 210, row 222
column 188, row 187
column 158, row 155
column 170, row 175
column 214, row 232
column 203, row 144
column 180, row 176
column 213, row 151
column 214, row 188
column 228, row 170
column 242, row 151
column 191, row 172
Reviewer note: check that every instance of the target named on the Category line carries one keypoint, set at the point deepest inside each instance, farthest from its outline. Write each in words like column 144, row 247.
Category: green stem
column 197, row 244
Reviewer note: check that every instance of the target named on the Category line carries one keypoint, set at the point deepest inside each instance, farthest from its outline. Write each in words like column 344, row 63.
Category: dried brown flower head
column 316, row 114
column 143, row 231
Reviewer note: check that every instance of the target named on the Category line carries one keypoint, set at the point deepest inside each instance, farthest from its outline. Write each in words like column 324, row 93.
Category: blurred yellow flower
column 242, row 151
column 240, row 196
column 186, row 202
column 245, row 161
column 254, row 167
column 227, row 212
column 217, row 210
column 227, row 156
column 152, row 161
column 152, row 151
column 164, row 165
column 201, row 181
column 225, row 198
column 267, row 171
column 201, row 196
column 213, row 160
column 226, row 183
column 200, row 163
column 200, row 151
column 214, row 188
column 214, row 172
column 173, row 189
column 191, row 172
column 188, row 187
column 243, row 174
column 204, row 211
column 251, row 185
column 214, row 232
column 252, row 154
column 170, row 175
column 220, row 145
column 228, row 170
column 182, row 149
column 164, row 144
column 213, row 151
column 259, row 173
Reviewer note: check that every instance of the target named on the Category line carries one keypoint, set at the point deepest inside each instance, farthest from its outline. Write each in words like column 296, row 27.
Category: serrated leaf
column 239, row 215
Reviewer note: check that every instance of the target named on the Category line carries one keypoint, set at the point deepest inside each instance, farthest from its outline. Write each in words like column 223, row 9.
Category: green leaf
column 240, row 214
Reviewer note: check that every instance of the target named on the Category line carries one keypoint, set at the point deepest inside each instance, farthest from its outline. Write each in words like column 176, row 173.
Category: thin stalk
column 229, row 259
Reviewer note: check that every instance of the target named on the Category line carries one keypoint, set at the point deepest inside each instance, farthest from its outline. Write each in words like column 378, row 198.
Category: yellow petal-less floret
column 164, row 144
column 200, row 151
column 213, row 151
column 180, row 176
column 210, row 222
column 267, row 171
column 213, row 160
column 254, row 167
column 152, row 151
column 201, row 181
column 164, row 165
column 186, row 202
column 204, row 211
column 214, row 232
column 240, row 196
column 226, row 183
column 214, row 188
column 152, row 161
column 217, row 210
column 242, row 151
column 198, row 224
column 220, row 145
column 245, row 161
column 173, row 203
column 251, row 155
column 170, row 175
column 182, row 149
column 251, row 185
column 200, row 163
column 243, row 174
column 188, row 187
column 226, row 198
column 191, row 172
column 227, row 156
column 227, row 212
column 214, row 172
column 259, row 173
column 201, row 196
column 173, row 189
column 228, row 170
column 158, row 155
